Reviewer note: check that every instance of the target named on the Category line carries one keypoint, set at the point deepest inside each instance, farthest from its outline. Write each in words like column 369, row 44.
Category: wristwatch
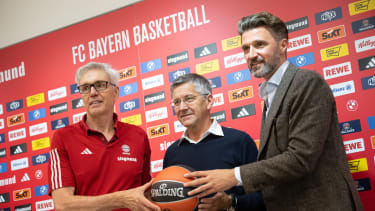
column 234, row 203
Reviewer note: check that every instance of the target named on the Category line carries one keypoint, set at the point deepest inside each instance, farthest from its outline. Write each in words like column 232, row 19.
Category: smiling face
column 195, row 113
column 98, row 103
column 263, row 53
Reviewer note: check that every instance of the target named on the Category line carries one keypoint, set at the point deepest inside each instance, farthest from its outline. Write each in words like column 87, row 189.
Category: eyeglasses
column 98, row 85
column 187, row 99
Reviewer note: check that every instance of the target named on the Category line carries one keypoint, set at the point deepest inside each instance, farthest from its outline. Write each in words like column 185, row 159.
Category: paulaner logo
column 13, row 73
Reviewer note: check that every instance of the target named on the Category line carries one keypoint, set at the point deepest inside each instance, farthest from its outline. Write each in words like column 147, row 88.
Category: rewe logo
column 218, row 99
column 353, row 146
column 44, row 205
column 337, row 70
column 17, row 134
column 299, row 42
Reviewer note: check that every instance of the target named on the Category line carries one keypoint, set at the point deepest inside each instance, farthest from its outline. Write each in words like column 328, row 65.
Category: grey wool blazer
column 302, row 163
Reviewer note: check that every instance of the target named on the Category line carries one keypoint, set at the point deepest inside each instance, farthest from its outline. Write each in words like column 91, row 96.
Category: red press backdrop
column 151, row 43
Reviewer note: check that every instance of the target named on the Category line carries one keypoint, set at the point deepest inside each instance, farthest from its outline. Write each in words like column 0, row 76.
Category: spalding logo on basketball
column 168, row 191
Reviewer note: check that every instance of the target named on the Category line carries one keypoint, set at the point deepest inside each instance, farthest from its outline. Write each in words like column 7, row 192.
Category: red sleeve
column 147, row 162
column 59, row 169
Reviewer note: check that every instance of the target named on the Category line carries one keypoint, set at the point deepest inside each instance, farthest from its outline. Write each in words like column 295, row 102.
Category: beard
column 268, row 67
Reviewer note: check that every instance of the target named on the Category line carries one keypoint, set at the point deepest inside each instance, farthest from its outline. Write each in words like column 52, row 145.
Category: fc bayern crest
column 352, row 105
column 125, row 149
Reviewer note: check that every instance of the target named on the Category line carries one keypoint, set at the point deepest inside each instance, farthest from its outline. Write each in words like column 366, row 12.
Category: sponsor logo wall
column 334, row 38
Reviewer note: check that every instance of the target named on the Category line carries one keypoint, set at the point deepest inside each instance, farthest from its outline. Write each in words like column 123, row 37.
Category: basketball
column 168, row 191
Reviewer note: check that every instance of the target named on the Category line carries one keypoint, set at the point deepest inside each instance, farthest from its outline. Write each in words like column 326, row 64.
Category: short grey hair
column 201, row 84
column 112, row 74
column 265, row 19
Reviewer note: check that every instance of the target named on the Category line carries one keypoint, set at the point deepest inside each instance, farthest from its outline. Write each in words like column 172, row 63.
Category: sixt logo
column 16, row 120
column 22, row 194
column 175, row 74
column 207, row 67
column 157, row 131
column 239, row 76
column 231, row 43
column 350, row 127
column 177, row 58
column 129, row 105
column 40, row 159
column 240, row 94
column 128, row 89
column 368, row 82
column 127, row 73
column 37, row 114
column 361, row 7
column 150, row 66
column 334, row 52
column 363, row 25
column 331, row 33
column 297, row 24
column 14, row 105
column 328, row 16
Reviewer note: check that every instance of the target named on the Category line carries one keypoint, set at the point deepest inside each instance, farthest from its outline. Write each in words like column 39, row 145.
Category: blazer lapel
column 275, row 106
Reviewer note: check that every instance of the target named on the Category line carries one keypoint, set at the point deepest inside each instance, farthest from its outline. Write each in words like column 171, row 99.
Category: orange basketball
column 168, row 191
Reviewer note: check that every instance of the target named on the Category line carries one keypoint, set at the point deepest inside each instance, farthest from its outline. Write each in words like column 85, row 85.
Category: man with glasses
column 99, row 163
column 302, row 163
column 206, row 145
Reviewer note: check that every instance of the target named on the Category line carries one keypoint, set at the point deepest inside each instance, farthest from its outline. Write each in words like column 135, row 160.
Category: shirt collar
column 268, row 86
column 86, row 128
column 214, row 129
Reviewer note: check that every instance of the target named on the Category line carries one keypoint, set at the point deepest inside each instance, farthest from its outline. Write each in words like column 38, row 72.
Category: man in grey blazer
column 302, row 163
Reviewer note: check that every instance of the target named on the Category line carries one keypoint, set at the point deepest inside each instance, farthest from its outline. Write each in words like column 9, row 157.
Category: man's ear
column 283, row 45
column 210, row 101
